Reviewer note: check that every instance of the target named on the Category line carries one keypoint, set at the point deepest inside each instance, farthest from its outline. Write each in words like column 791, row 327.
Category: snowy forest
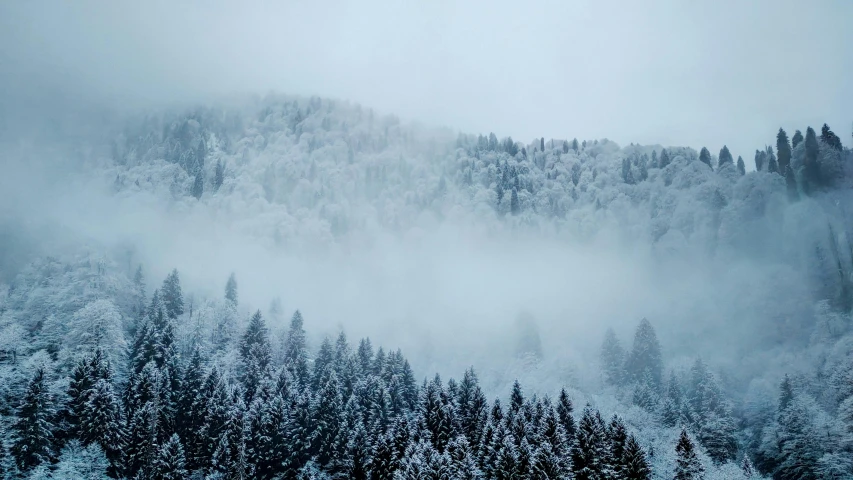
column 285, row 287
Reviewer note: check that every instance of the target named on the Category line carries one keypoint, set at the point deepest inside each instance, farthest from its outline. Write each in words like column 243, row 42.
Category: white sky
column 673, row 72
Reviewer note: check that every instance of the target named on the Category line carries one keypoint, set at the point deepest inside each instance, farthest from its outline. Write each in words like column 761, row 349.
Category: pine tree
column 295, row 351
column 687, row 466
column 664, row 158
column 796, row 139
column 32, row 429
column 672, row 410
column 364, row 354
column 564, row 414
column 741, row 167
column 828, row 137
column 786, row 393
column 590, row 451
column 231, row 289
column 255, row 354
column 198, row 186
column 705, row 157
column 516, row 399
column 811, row 172
column 326, row 414
column 102, row 423
column 266, row 444
column 218, row 176
column 170, row 463
column 188, row 414
column 634, row 463
column 791, row 184
column 230, row 457
column 173, row 299
column 746, row 467
column 725, row 157
column 617, row 435
column 324, row 364
column 645, row 354
column 783, row 150
column 760, row 158
column 612, row 359
column 514, row 207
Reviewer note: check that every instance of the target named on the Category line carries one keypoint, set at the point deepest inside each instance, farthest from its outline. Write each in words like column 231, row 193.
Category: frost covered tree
column 170, row 463
column 687, row 463
column 645, row 355
column 612, row 359
column 32, row 430
column 173, row 298
column 231, row 289
column 705, row 157
column 295, row 350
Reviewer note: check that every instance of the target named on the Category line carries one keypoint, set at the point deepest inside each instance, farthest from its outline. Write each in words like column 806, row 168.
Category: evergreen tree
column 796, row 139
column 746, row 464
column 705, row 157
column 231, row 289
column 189, row 414
column 173, row 299
column 772, row 165
column 198, row 186
column 828, row 137
column 564, row 414
column 295, row 350
column 364, row 354
column 590, row 451
column 811, row 171
column 326, row 413
column 514, row 207
column 255, row 354
column 760, row 158
column 267, row 442
column 218, row 176
column 612, row 359
column 687, row 464
column 102, row 423
column 617, row 435
column 516, row 399
column 32, row 429
column 170, row 463
column 783, row 150
column 725, row 157
column 664, row 158
column 230, row 457
column 645, row 354
column 791, row 184
column 634, row 463
column 672, row 409
column 741, row 167
column 786, row 393
column 324, row 364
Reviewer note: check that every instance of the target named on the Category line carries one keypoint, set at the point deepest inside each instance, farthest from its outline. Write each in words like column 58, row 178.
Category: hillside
column 518, row 258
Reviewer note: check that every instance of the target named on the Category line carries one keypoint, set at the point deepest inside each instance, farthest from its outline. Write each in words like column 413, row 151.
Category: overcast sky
column 672, row 72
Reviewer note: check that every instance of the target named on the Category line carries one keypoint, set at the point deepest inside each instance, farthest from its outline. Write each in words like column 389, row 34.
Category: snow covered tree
column 590, row 452
column 828, row 137
column 741, row 167
column 634, row 463
column 170, row 463
column 612, row 359
column 687, row 464
column 796, row 139
column 295, row 350
column 230, row 457
column 725, row 157
column 172, row 297
column 219, row 175
column 326, row 414
column 32, row 429
column 102, row 423
column 564, row 414
column 783, row 150
column 645, row 355
column 255, row 354
column 705, row 157
column 231, row 289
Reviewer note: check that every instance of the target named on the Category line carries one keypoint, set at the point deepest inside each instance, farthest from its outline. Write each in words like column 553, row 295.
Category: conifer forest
column 282, row 286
